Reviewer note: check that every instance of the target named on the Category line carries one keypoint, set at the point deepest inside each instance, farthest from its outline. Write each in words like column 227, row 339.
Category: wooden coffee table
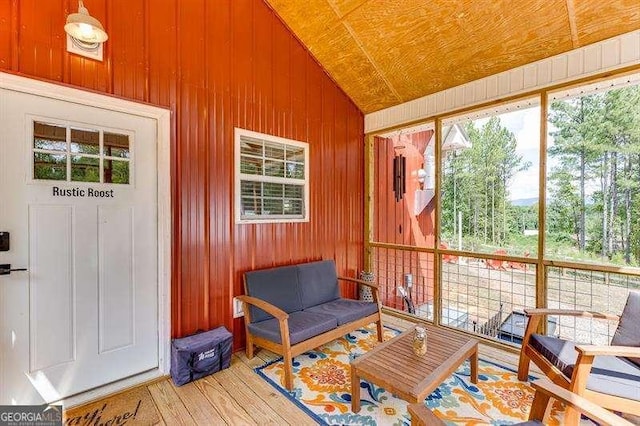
column 393, row 365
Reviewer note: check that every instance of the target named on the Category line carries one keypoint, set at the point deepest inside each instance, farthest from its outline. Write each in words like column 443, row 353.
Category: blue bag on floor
column 199, row 355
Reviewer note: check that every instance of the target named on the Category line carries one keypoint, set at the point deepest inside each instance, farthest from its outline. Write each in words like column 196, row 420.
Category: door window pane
column 49, row 166
column 85, row 141
column 116, row 171
column 116, row 145
column 85, row 169
column 49, row 137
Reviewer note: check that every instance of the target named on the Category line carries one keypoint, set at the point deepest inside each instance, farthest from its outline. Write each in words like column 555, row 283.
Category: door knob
column 5, row 269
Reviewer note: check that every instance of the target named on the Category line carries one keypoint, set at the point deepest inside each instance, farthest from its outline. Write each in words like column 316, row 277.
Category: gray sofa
column 292, row 309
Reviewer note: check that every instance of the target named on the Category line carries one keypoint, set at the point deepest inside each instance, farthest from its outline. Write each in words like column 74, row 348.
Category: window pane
column 275, row 151
column 251, row 206
column 116, row 171
column 272, row 207
column 116, row 145
column 490, row 183
column 251, row 147
column 85, row 169
column 293, row 207
column 85, row 141
column 274, row 168
column 295, row 171
column 273, row 190
column 295, row 154
column 593, row 177
column 253, row 189
column 251, row 166
column 49, row 166
column 49, row 137
column 293, row 191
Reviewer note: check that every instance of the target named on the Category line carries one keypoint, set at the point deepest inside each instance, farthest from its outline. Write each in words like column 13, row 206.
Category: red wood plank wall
column 216, row 65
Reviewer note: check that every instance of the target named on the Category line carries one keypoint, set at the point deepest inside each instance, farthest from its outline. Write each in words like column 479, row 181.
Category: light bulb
column 86, row 30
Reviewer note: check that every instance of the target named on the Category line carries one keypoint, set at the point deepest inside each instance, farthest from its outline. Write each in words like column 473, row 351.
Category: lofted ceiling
column 386, row 52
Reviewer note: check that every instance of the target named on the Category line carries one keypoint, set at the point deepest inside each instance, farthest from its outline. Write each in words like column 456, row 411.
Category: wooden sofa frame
column 285, row 348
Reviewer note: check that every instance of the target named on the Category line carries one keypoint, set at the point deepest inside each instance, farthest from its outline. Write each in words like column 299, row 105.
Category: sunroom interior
column 471, row 165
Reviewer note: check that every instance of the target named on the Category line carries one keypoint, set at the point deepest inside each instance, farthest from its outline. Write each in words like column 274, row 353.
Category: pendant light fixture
column 84, row 28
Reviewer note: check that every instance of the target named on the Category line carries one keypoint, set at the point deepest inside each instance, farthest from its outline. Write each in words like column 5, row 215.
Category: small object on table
column 420, row 341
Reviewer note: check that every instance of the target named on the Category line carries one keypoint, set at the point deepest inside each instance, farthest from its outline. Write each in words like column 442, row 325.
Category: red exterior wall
column 216, row 65
column 395, row 222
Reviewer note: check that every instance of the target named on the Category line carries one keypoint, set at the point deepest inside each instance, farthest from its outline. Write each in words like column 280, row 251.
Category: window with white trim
column 272, row 178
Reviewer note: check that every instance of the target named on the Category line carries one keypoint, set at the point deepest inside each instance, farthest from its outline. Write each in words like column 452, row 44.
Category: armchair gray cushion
column 278, row 286
column 628, row 331
column 318, row 283
column 345, row 310
column 609, row 374
column 302, row 326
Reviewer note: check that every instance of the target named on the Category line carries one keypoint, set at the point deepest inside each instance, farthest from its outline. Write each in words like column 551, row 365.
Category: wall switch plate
column 237, row 308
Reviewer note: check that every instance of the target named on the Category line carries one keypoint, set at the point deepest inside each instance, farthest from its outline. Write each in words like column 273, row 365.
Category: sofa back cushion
column 278, row 286
column 318, row 282
column 628, row 331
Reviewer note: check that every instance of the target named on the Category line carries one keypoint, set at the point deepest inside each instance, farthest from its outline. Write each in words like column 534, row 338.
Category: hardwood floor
column 238, row 396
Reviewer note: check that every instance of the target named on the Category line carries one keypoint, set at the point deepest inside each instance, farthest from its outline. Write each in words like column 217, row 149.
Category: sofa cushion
column 302, row 326
column 530, row 423
column 628, row 332
column 609, row 374
column 318, row 282
column 278, row 286
column 345, row 310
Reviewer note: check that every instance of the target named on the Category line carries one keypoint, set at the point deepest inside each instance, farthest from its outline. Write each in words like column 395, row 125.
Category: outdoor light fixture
column 84, row 27
column 85, row 34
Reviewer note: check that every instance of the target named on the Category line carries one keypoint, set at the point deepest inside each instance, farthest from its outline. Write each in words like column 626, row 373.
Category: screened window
column 72, row 154
column 272, row 176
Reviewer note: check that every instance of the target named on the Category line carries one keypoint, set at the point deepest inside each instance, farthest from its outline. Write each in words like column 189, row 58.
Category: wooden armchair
column 606, row 375
column 545, row 393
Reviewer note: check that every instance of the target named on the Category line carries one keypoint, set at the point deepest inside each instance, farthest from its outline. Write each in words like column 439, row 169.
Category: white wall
column 607, row 55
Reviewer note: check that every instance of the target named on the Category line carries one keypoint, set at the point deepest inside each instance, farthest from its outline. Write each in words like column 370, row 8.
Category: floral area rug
column 322, row 389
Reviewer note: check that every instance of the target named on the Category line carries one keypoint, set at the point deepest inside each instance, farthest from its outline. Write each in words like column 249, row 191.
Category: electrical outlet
column 237, row 308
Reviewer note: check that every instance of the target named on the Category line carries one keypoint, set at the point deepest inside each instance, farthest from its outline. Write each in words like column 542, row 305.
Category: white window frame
column 239, row 177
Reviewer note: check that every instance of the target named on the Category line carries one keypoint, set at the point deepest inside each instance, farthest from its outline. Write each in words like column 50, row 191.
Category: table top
column 394, row 366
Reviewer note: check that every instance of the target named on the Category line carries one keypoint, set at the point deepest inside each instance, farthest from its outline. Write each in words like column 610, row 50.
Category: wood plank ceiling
column 386, row 52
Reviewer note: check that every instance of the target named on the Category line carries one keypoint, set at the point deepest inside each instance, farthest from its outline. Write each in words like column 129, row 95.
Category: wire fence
column 605, row 292
column 406, row 280
column 488, row 296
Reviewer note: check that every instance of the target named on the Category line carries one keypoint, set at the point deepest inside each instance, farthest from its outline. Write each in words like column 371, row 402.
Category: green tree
column 596, row 184
column 475, row 183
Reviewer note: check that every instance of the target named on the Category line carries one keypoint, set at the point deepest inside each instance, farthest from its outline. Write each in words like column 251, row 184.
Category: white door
column 78, row 195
